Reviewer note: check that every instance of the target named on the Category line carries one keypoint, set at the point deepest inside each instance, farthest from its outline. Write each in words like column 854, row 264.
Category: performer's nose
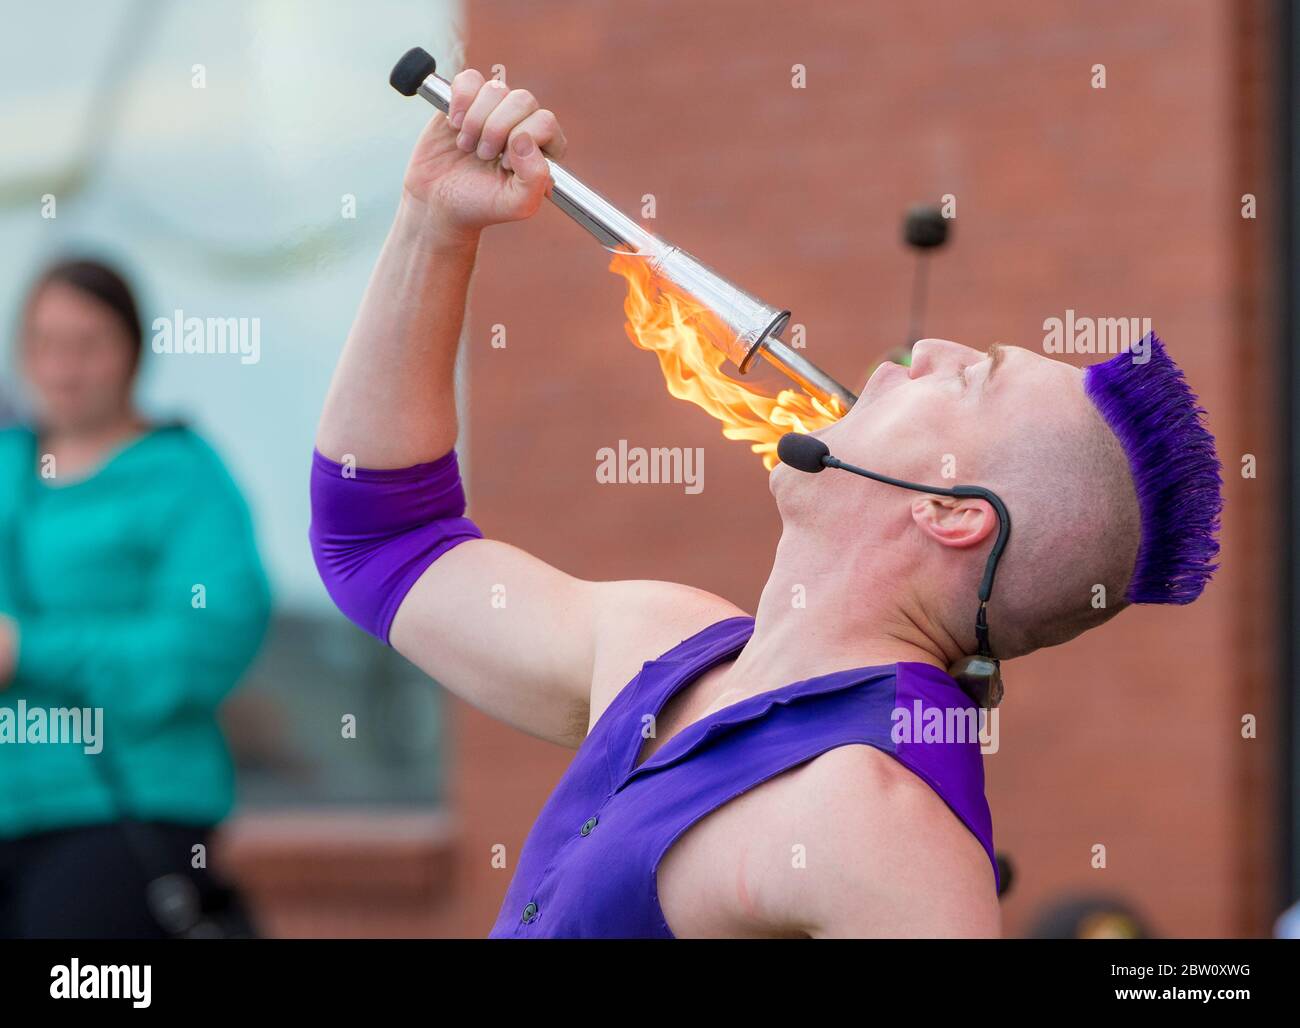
column 930, row 355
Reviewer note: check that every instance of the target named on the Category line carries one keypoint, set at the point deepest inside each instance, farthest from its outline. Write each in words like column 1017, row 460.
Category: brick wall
column 1111, row 202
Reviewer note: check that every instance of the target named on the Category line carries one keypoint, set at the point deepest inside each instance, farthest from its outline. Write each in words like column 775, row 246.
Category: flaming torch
column 688, row 314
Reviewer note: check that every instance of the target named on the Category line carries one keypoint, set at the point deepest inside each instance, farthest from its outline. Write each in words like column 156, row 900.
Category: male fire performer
column 741, row 776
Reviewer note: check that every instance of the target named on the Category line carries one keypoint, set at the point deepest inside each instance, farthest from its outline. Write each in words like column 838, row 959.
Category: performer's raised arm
column 389, row 530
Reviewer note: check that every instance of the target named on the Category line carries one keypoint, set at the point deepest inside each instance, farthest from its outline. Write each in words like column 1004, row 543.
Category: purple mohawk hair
column 1176, row 471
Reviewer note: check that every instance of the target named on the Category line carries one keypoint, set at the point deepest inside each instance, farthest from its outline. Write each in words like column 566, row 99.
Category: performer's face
column 945, row 418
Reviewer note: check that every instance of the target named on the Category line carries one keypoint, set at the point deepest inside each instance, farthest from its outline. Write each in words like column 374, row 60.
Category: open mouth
column 689, row 340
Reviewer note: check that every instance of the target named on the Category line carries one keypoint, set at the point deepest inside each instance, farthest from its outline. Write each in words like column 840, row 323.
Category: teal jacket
column 137, row 591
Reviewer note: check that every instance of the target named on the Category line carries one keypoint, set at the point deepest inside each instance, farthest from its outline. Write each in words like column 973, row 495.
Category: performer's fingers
column 545, row 129
column 530, row 179
column 464, row 87
column 488, row 99
column 500, row 124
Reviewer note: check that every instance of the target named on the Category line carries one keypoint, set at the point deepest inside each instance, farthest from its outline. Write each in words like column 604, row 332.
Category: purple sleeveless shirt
column 588, row 867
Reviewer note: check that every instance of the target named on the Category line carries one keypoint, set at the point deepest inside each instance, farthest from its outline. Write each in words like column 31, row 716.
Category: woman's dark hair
column 105, row 284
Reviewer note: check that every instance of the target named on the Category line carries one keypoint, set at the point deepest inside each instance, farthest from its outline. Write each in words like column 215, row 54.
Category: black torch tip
column 925, row 227
column 416, row 65
column 802, row 452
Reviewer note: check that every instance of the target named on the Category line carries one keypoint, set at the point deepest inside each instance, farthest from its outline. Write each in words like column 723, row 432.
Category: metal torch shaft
column 810, row 378
column 615, row 230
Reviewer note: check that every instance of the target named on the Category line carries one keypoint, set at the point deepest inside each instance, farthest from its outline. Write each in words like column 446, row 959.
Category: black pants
column 90, row 883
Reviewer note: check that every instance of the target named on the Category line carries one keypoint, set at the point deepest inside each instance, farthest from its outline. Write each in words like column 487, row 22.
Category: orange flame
column 682, row 332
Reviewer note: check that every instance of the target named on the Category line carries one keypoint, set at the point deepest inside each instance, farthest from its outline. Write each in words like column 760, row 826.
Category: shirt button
column 588, row 825
column 530, row 913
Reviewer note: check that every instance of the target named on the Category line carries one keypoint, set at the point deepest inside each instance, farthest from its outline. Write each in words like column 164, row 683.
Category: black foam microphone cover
column 802, row 452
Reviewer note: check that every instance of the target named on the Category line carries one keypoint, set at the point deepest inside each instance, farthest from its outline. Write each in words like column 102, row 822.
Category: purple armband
column 374, row 534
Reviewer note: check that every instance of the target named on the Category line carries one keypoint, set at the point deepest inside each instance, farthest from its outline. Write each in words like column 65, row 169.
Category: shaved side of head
column 1075, row 531
column 1117, row 501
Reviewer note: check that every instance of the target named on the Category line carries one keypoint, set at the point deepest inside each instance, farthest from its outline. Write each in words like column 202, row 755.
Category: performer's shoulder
column 650, row 614
column 863, row 810
column 645, row 620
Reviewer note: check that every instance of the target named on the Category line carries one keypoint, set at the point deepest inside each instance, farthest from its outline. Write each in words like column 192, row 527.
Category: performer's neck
column 829, row 608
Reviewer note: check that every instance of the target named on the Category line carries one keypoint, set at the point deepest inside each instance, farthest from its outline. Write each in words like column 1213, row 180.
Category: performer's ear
column 959, row 522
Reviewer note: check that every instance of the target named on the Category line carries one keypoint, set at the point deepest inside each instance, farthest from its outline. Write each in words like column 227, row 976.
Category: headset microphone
column 980, row 674
column 802, row 452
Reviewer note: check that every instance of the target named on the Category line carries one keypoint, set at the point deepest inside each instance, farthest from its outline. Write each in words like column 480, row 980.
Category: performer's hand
column 455, row 175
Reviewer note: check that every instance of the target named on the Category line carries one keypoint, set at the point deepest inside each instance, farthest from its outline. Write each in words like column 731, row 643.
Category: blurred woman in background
column 129, row 583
